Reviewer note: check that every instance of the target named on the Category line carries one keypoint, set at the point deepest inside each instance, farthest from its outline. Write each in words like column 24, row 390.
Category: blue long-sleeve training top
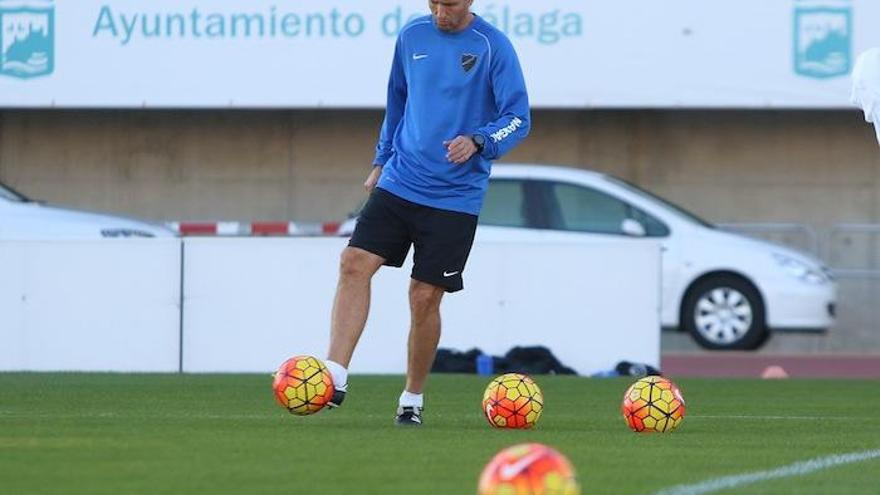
column 443, row 85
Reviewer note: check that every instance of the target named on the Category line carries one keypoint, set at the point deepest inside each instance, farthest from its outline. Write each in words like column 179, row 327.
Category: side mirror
column 632, row 228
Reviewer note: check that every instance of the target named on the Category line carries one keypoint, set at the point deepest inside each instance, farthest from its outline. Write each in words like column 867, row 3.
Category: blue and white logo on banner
column 822, row 41
column 27, row 38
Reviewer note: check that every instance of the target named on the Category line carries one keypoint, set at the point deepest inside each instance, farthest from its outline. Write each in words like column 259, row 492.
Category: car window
column 583, row 209
column 653, row 226
column 505, row 204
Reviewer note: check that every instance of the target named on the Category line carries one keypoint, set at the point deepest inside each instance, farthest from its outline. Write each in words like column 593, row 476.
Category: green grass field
column 155, row 434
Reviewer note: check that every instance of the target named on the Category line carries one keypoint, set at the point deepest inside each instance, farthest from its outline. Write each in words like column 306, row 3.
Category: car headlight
column 804, row 271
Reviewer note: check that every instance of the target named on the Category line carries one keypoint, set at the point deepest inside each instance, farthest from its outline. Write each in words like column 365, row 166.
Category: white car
column 24, row 219
column 729, row 291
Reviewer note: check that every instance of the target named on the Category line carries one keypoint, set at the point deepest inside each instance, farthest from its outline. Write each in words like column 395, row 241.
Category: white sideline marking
column 809, row 418
column 796, row 469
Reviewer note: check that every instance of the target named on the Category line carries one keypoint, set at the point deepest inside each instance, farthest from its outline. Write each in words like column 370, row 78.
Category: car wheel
column 725, row 313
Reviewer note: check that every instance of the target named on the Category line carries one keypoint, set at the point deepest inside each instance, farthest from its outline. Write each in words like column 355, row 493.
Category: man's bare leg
column 424, row 333
column 424, row 336
column 350, row 309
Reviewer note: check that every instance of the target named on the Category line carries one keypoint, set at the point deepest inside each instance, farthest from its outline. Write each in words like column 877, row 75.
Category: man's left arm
column 512, row 101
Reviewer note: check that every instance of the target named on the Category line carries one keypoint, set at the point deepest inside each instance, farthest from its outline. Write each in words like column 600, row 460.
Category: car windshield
column 9, row 195
column 678, row 210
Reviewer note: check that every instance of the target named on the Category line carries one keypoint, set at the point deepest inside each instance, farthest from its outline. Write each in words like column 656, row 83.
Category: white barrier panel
column 251, row 303
column 107, row 305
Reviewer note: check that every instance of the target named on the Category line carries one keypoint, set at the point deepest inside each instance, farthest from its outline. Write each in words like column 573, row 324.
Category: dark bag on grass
column 449, row 361
column 626, row 368
column 537, row 360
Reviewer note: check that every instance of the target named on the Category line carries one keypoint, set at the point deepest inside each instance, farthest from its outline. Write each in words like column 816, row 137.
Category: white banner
column 307, row 54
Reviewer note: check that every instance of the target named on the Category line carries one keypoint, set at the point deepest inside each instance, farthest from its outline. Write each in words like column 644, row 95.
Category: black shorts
column 389, row 224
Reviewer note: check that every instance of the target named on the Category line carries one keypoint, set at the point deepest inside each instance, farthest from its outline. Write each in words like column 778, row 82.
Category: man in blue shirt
column 456, row 101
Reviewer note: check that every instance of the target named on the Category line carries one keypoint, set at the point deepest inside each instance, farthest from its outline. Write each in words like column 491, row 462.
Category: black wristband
column 479, row 142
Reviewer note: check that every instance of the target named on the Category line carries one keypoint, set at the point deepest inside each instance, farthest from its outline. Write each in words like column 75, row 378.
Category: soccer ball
column 513, row 400
column 528, row 469
column 303, row 385
column 653, row 404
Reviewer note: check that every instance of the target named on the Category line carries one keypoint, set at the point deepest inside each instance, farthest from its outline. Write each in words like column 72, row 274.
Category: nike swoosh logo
column 509, row 471
column 449, row 274
column 419, row 56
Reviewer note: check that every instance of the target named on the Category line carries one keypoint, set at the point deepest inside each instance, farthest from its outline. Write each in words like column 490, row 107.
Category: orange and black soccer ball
column 653, row 405
column 513, row 400
column 303, row 385
column 528, row 469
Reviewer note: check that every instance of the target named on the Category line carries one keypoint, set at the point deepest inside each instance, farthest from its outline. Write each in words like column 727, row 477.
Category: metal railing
column 852, row 251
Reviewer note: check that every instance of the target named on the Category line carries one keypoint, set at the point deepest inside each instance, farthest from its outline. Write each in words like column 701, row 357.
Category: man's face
column 451, row 15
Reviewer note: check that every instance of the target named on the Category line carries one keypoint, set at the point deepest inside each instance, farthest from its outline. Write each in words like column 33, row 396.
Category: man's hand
column 460, row 149
column 373, row 178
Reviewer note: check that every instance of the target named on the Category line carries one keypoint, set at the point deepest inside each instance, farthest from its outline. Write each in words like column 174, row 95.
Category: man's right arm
column 394, row 107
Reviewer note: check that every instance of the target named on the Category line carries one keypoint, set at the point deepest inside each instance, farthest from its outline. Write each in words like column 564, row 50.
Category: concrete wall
column 814, row 167
column 189, row 165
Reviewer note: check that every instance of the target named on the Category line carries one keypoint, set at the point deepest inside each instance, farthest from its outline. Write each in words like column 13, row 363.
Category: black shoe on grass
column 409, row 416
column 336, row 400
